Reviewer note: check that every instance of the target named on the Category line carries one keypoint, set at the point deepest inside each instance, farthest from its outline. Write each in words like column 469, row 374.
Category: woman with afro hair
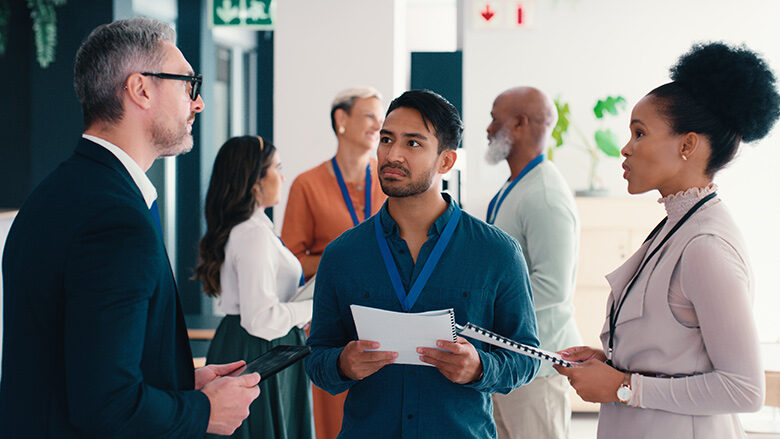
column 680, row 350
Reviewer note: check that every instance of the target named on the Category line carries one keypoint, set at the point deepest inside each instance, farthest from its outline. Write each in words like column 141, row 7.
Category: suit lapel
column 92, row 151
column 95, row 152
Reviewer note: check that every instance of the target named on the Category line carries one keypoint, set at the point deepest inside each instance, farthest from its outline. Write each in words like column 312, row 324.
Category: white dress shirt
column 258, row 278
column 138, row 174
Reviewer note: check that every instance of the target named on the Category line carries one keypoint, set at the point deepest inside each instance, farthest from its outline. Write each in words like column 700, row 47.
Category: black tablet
column 271, row 362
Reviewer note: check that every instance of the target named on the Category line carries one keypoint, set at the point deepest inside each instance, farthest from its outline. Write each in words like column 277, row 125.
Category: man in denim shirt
column 481, row 275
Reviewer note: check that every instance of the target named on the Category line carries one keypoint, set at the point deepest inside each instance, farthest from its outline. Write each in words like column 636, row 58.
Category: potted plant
column 603, row 140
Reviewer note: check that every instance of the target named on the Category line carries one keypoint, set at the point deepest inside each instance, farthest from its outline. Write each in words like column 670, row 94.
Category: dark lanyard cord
column 613, row 314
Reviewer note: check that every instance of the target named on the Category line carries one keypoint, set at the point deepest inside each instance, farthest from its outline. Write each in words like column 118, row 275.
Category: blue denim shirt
column 482, row 275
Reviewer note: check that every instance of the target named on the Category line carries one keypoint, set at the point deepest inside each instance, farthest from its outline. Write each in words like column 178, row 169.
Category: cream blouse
column 258, row 278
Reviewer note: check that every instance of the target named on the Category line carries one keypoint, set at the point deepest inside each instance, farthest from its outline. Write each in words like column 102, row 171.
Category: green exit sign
column 254, row 14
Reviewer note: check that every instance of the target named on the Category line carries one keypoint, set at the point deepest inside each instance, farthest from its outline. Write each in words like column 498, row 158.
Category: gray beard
column 498, row 149
column 171, row 143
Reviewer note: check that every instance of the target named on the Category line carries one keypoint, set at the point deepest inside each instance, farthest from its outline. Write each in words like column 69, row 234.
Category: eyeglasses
column 195, row 81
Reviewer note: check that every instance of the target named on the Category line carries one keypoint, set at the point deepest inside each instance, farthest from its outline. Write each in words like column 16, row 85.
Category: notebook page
column 403, row 332
column 305, row 291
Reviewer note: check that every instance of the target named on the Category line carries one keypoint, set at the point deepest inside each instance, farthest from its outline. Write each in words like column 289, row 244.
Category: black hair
column 444, row 117
column 726, row 93
column 240, row 163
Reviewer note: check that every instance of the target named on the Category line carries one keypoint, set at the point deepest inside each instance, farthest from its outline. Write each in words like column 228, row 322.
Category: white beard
column 498, row 148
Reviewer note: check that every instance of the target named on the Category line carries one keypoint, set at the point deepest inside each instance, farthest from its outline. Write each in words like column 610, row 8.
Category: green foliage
column 611, row 104
column 5, row 17
column 44, row 20
column 563, row 122
column 607, row 141
column 44, row 24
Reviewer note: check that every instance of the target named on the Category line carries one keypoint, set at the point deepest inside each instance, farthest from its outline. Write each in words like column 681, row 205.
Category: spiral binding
column 504, row 342
column 454, row 325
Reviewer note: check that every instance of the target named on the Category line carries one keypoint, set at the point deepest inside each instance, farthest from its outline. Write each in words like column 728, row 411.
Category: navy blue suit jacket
column 95, row 343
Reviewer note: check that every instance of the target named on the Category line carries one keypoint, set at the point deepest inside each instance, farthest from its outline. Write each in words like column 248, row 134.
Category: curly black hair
column 725, row 93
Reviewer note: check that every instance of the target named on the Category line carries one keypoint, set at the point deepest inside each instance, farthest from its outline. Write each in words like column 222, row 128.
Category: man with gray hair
column 95, row 342
column 535, row 206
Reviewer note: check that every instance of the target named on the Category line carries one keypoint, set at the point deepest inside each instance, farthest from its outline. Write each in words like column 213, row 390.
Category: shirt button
column 409, row 416
column 465, row 294
column 401, row 251
column 359, row 187
column 411, row 373
column 366, row 295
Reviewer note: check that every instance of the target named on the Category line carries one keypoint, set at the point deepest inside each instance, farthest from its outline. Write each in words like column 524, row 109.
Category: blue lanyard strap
column 345, row 192
column 408, row 300
column 491, row 214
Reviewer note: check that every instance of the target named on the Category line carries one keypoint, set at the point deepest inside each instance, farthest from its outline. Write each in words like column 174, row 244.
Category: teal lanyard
column 408, row 300
column 496, row 202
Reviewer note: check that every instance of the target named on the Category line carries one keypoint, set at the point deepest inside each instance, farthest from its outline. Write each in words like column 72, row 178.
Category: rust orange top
column 316, row 213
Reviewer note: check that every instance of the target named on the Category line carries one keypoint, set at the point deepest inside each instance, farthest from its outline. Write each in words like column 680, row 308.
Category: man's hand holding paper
column 360, row 359
column 459, row 362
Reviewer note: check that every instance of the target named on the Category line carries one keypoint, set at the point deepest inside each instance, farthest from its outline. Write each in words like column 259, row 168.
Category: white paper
column 403, row 332
column 305, row 291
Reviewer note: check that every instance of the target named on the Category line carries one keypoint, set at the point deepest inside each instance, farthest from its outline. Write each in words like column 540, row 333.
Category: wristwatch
column 624, row 391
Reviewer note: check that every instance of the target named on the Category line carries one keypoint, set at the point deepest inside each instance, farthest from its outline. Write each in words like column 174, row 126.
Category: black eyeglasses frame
column 195, row 81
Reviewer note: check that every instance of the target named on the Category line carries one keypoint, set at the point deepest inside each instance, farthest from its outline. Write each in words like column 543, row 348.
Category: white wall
column 320, row 48
column 585, row 50
column 6, row 218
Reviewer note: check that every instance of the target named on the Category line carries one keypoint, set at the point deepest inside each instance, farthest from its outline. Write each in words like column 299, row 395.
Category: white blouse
column 258, row 278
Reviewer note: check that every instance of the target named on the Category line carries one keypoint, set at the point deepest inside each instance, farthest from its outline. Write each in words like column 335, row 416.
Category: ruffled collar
column 678, row 204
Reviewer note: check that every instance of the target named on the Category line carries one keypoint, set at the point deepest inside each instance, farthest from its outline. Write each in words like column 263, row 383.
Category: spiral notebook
column 477, row 333
column 405, row 332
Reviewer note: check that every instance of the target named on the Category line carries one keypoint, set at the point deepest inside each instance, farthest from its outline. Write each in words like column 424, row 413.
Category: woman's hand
column 591, row 377
column 583, row 353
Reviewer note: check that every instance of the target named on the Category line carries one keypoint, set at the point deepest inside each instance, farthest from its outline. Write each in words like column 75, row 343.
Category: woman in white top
column 680, row 350
column 255, row 277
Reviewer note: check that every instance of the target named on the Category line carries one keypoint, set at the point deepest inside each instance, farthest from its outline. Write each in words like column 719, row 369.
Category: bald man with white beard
column 536, row 207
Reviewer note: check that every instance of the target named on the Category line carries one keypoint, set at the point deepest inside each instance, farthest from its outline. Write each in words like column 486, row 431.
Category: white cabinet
column 611, row 230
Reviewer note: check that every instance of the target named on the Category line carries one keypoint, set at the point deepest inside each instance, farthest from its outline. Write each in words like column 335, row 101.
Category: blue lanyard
column 491, row 214
column 345, row 192
column 408, row 300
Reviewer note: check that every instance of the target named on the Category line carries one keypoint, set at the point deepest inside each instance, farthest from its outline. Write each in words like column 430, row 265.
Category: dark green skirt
column 283, row 409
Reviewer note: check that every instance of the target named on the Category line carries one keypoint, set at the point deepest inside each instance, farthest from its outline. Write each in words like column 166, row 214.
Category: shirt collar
column 138, row 175
column 390, row 227
column 259, row 215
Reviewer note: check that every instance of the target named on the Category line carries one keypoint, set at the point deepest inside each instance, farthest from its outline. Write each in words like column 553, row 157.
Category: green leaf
column 598, row 109
column 562, row 127
column 5, row 15
column 44, row 19
column 607, row 141
column 611, row 104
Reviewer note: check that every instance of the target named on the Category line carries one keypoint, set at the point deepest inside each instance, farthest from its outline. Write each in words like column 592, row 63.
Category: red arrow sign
column 487, row 14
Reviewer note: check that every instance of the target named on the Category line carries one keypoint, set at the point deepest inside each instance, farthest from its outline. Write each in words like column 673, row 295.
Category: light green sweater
column 540, row 213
